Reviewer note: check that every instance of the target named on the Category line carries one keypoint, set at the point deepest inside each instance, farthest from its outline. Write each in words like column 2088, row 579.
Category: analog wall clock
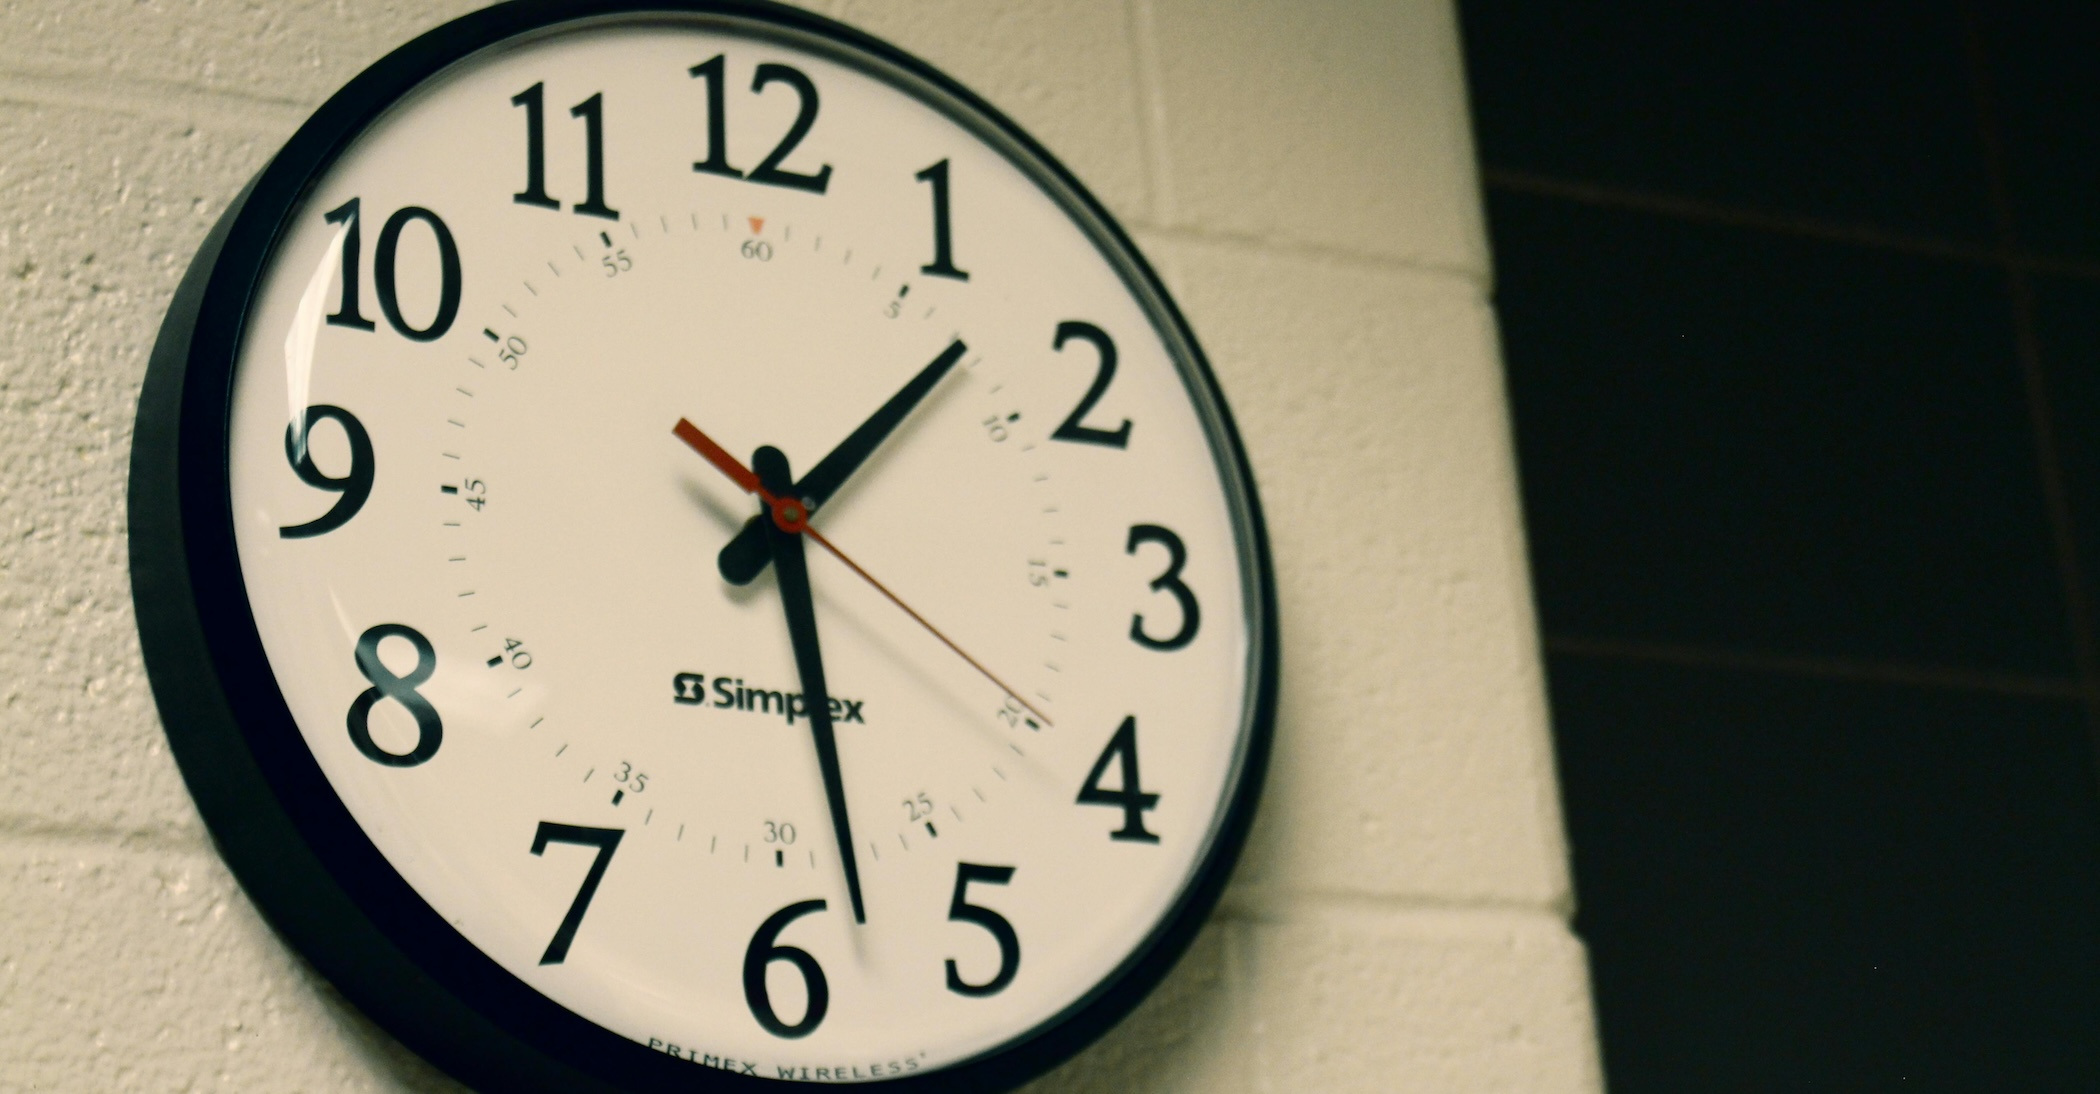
column 678, row 549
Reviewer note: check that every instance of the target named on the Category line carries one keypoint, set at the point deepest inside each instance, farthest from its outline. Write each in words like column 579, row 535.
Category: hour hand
column 744, row 557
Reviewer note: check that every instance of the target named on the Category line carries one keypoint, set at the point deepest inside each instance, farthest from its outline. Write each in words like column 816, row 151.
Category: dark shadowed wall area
column 1801, row 310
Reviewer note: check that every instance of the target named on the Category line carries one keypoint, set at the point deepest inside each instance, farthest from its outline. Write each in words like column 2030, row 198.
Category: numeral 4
column 1131, row 796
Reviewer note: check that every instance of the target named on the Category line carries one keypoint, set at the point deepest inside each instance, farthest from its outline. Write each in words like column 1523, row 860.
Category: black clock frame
column 280, row 826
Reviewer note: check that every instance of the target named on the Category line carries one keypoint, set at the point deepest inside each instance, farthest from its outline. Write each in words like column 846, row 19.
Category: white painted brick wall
column 1302, row 173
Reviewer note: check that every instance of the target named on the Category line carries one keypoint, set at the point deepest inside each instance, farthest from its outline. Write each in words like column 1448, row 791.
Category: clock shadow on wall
column 1801, row 312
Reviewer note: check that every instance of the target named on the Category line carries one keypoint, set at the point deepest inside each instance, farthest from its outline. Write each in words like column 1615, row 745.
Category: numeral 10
column 348, row 314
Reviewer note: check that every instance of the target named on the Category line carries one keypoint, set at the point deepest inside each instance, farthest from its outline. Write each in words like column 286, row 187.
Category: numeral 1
column 943, row 264
column 535, row 192
column 717, row 161
column 346, row 314
column 592, row 111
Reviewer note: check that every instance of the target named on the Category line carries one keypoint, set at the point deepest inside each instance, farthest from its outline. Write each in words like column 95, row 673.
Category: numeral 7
column 605, row 840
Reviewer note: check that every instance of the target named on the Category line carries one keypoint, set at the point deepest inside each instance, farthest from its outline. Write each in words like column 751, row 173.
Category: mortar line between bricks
column 1700, row 210
column 1152, row 108
column 2034, row 375
column 151, row 99
column 1829, row 668
column 1283, row 248
column 28, row 830
column 1261, row 904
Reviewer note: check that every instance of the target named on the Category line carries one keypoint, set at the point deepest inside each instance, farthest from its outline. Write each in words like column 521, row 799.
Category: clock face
column 749, row 546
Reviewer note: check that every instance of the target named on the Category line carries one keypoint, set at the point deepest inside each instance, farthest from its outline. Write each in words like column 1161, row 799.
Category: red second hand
column 790, row 516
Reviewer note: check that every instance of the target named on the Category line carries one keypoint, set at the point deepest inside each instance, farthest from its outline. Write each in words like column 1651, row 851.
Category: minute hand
column 745, row 556
column 786, row 549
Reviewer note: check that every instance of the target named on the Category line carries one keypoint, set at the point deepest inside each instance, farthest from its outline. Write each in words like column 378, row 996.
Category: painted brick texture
column 1302, row 173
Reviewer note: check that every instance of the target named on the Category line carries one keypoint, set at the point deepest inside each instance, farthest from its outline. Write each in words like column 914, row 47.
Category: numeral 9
column 355, row 486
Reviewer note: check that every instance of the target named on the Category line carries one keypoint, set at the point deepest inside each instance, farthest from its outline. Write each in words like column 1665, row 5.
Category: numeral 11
column 592, row 111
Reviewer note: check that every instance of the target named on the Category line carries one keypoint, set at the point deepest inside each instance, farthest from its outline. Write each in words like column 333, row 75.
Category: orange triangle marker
column 758, row 224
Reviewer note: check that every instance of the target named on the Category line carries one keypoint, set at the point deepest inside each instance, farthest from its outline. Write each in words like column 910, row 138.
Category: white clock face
column 493, row 572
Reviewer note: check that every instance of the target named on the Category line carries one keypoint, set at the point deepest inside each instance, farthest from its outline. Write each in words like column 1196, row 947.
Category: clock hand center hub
column 789, row 515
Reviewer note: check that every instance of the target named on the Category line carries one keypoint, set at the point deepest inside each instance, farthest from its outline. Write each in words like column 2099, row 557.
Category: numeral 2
column 1071, row 429
column 768, row 170
column 592, row 111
